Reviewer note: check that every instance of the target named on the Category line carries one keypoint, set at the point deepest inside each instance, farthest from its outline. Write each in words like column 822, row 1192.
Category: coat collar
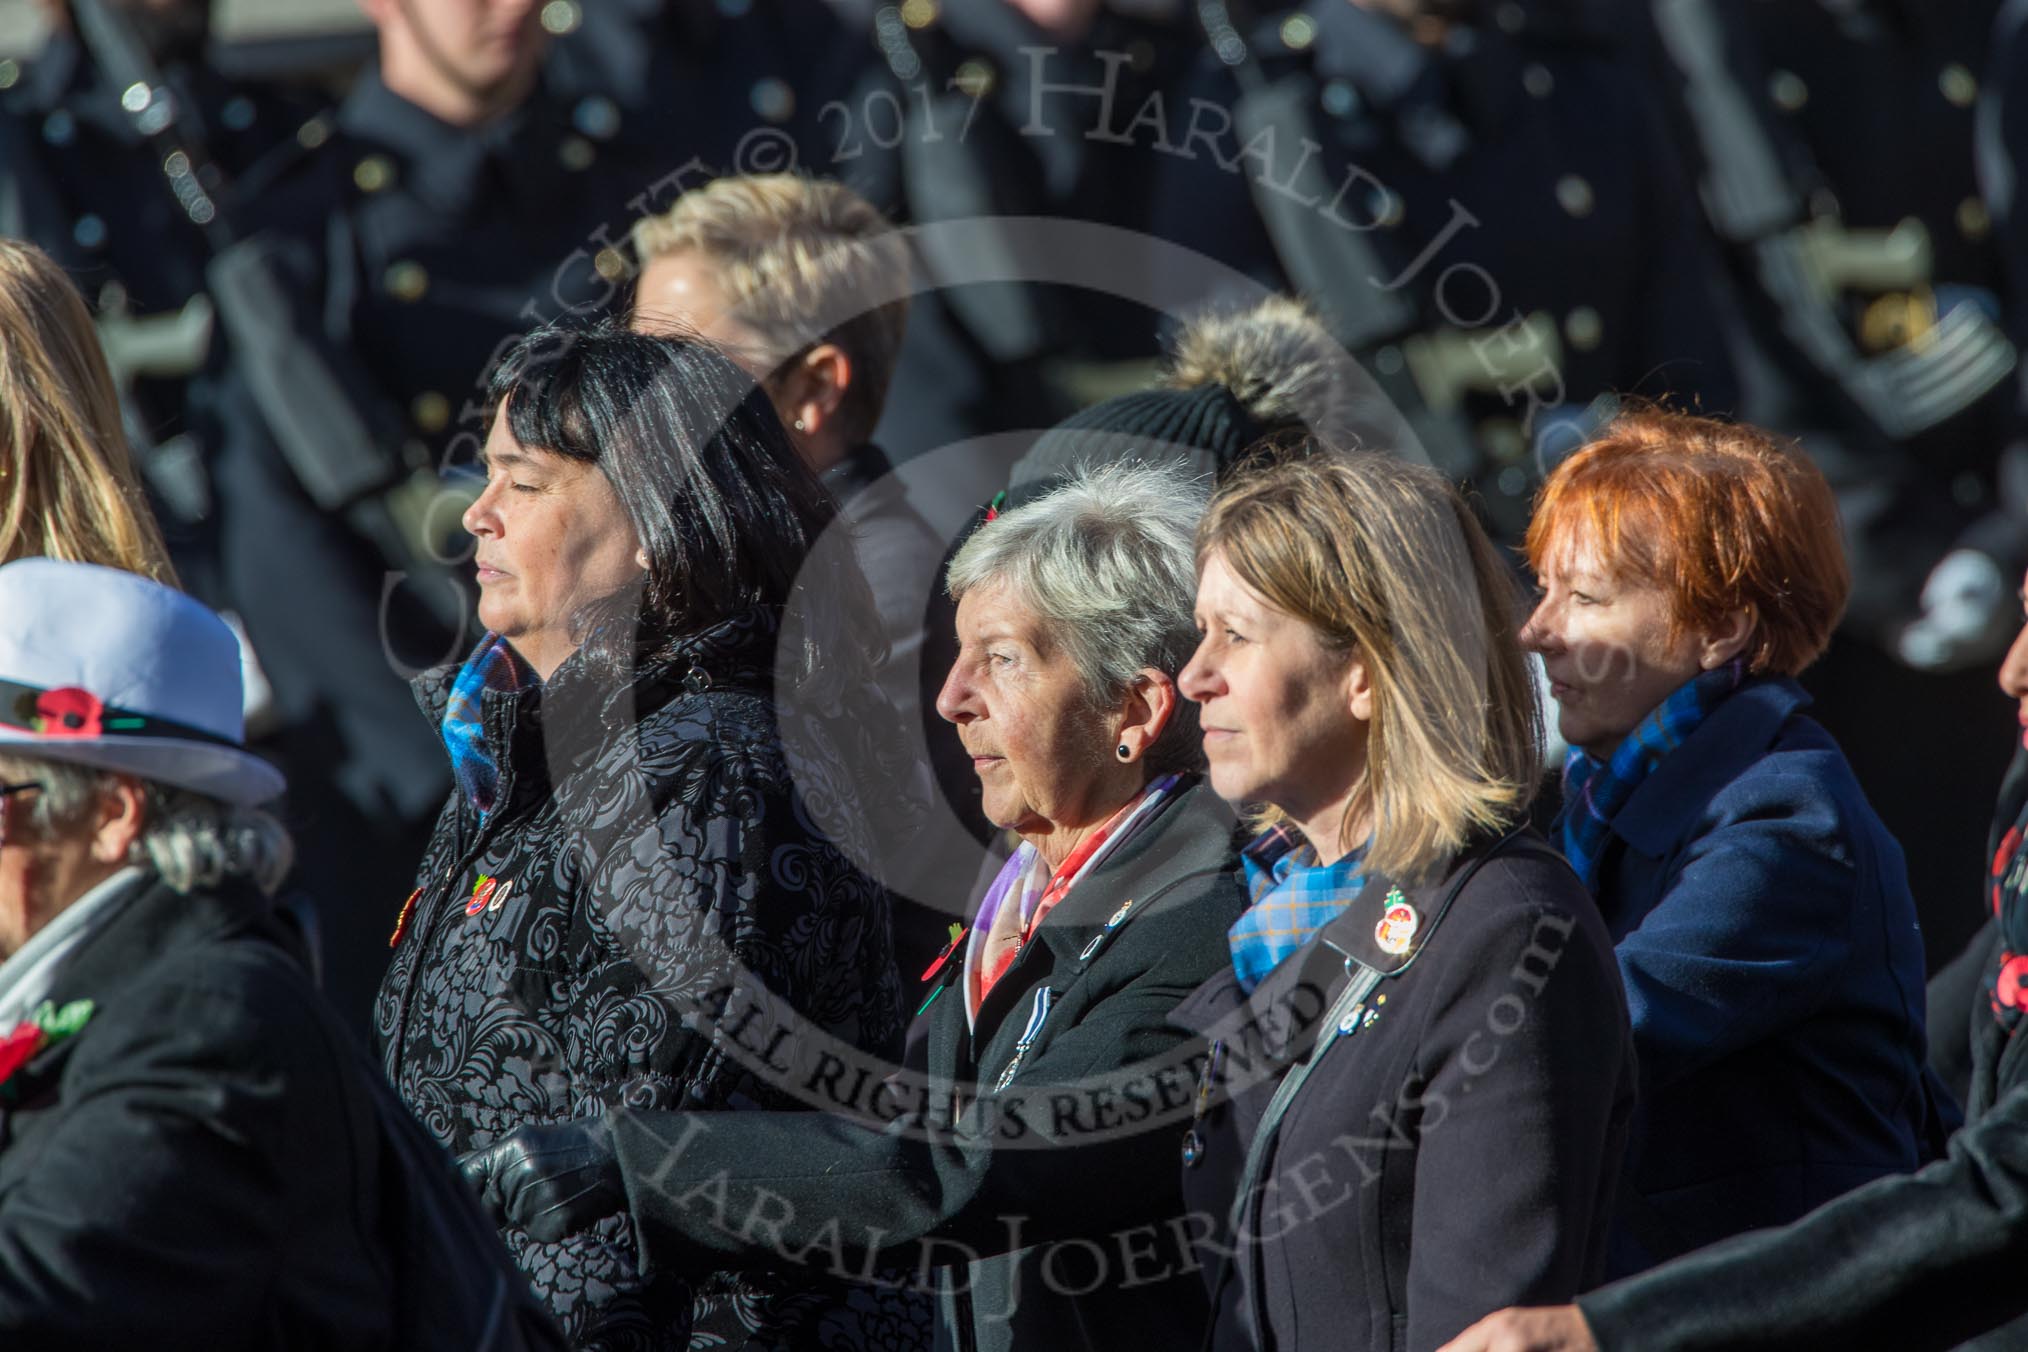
column 735, row 653
column 156, row 924
column 1195, row 832
column 1672, row 799
column 861, row 469
column 1310, row 978
column 1193, row 835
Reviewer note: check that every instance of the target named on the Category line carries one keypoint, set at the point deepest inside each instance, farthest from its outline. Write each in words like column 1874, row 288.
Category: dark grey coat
column 653, row 851
column 213, row 1163
column 1059, row 1176
column 1458, row 1153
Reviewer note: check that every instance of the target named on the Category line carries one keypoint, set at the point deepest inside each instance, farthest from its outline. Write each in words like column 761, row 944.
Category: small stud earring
column 1124, row 752
column 800, row 427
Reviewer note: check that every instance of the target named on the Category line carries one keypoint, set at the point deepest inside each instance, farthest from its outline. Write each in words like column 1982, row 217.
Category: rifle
column 342, row 439
column 1425, row 373
column 1805, row 262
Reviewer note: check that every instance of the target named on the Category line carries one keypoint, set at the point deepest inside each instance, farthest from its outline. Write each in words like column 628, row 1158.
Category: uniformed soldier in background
column 1004, row 106
column 88, row 171
column 1480, row 201
column 479, row 178
column 1832, row 142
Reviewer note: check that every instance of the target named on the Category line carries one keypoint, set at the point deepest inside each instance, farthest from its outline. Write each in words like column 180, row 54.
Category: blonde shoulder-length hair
column 68, row 489
column 1385, row 557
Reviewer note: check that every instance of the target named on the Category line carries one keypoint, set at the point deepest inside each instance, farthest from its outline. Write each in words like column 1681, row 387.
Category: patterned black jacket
column 647, row 846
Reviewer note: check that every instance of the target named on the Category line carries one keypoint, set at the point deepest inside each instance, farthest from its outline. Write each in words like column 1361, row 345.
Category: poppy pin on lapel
column 944, row 966
column 1398, row 923
column 484, row 892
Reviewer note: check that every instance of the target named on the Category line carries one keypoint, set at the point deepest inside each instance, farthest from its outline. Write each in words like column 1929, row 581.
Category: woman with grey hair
column 1031, row 1170
column 184, row 1123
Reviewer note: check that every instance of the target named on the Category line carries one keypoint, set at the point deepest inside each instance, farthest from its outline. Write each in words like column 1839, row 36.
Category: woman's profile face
column 1604, row 640
column 1283, row 722
column 1044, row 757
column 552, row 538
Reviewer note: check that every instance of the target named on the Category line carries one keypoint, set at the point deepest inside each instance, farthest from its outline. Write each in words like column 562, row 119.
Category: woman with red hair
column 1690, row 569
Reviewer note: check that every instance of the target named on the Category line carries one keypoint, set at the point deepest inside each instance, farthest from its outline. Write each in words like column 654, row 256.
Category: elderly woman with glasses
column 194, row 1152
column 1690, row 570
column 1033, row 1164
column 1419, row 1064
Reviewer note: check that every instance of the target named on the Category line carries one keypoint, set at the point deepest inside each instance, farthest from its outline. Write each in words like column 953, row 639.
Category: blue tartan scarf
column 1594, row 791
column 1293, row 898
column 493, row 665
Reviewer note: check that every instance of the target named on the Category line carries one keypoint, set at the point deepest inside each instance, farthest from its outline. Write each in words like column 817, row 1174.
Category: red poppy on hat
column 69, row 712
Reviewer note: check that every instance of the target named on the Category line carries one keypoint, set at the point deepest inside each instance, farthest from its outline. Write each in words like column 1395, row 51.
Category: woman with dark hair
column 1027, row 1168
column 626, row 851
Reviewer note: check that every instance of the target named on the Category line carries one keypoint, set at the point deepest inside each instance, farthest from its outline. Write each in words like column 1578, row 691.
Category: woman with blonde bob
column 67, row 484
column 1421, row 1042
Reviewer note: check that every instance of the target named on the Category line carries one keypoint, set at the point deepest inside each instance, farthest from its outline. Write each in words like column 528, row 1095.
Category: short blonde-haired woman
column 1421, row 1045
column 68, row 489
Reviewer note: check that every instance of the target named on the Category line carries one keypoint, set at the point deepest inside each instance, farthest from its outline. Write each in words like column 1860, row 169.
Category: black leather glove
column 548, row 1180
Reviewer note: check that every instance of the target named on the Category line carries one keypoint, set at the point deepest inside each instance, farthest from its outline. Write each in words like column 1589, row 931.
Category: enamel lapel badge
column 1395, row 934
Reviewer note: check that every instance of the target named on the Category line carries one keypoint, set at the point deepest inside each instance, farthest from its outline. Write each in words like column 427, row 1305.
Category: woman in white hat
column 187, row 1138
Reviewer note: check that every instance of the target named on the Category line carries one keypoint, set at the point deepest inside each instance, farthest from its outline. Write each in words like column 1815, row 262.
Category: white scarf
column 27, row 978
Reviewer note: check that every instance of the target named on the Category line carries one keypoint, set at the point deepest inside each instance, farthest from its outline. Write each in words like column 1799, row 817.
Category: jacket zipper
column 440, row 897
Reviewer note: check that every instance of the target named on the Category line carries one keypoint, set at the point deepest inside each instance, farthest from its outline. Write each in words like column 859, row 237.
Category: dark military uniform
column 1492, row 224
column 1834, row 145
column 82, row 179
column 1004, row 120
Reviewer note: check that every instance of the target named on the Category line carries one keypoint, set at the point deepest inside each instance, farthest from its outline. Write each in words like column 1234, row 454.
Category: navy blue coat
column 1918, row 1264
column 1458, row 1155
column 1774, row 973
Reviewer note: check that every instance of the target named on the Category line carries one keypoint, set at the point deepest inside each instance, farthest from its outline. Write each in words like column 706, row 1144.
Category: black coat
column 648, row 866
column 1455, row 1155
column 1066, row 1153
column 1921, row 1261
column 213, row 1162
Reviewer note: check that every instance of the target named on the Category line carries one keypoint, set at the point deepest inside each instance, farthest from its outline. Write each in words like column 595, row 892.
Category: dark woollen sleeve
column 1083, row 1141
column 1921, row 1261
column 1522, row 1130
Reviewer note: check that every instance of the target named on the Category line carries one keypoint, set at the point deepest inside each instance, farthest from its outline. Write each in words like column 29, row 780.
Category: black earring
column 1124, row 752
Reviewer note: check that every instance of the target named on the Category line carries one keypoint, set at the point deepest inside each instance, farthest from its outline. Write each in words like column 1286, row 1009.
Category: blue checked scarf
column 492, row 666
column 1594, row 791
column 1293, row 898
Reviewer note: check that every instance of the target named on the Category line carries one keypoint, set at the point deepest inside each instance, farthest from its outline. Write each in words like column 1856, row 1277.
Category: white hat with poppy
column 105, row 668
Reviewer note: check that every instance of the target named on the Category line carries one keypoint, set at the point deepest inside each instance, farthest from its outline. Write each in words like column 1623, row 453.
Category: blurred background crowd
column 308, row 228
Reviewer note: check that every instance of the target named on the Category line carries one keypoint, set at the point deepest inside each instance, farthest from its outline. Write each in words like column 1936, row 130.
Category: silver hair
column 1108, row 561
column 188, row 839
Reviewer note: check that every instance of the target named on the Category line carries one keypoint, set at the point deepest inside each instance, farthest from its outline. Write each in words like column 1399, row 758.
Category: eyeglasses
column 8, row 791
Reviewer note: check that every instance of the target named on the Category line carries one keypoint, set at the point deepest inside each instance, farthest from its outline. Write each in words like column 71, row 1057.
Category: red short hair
column 1719, row 515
